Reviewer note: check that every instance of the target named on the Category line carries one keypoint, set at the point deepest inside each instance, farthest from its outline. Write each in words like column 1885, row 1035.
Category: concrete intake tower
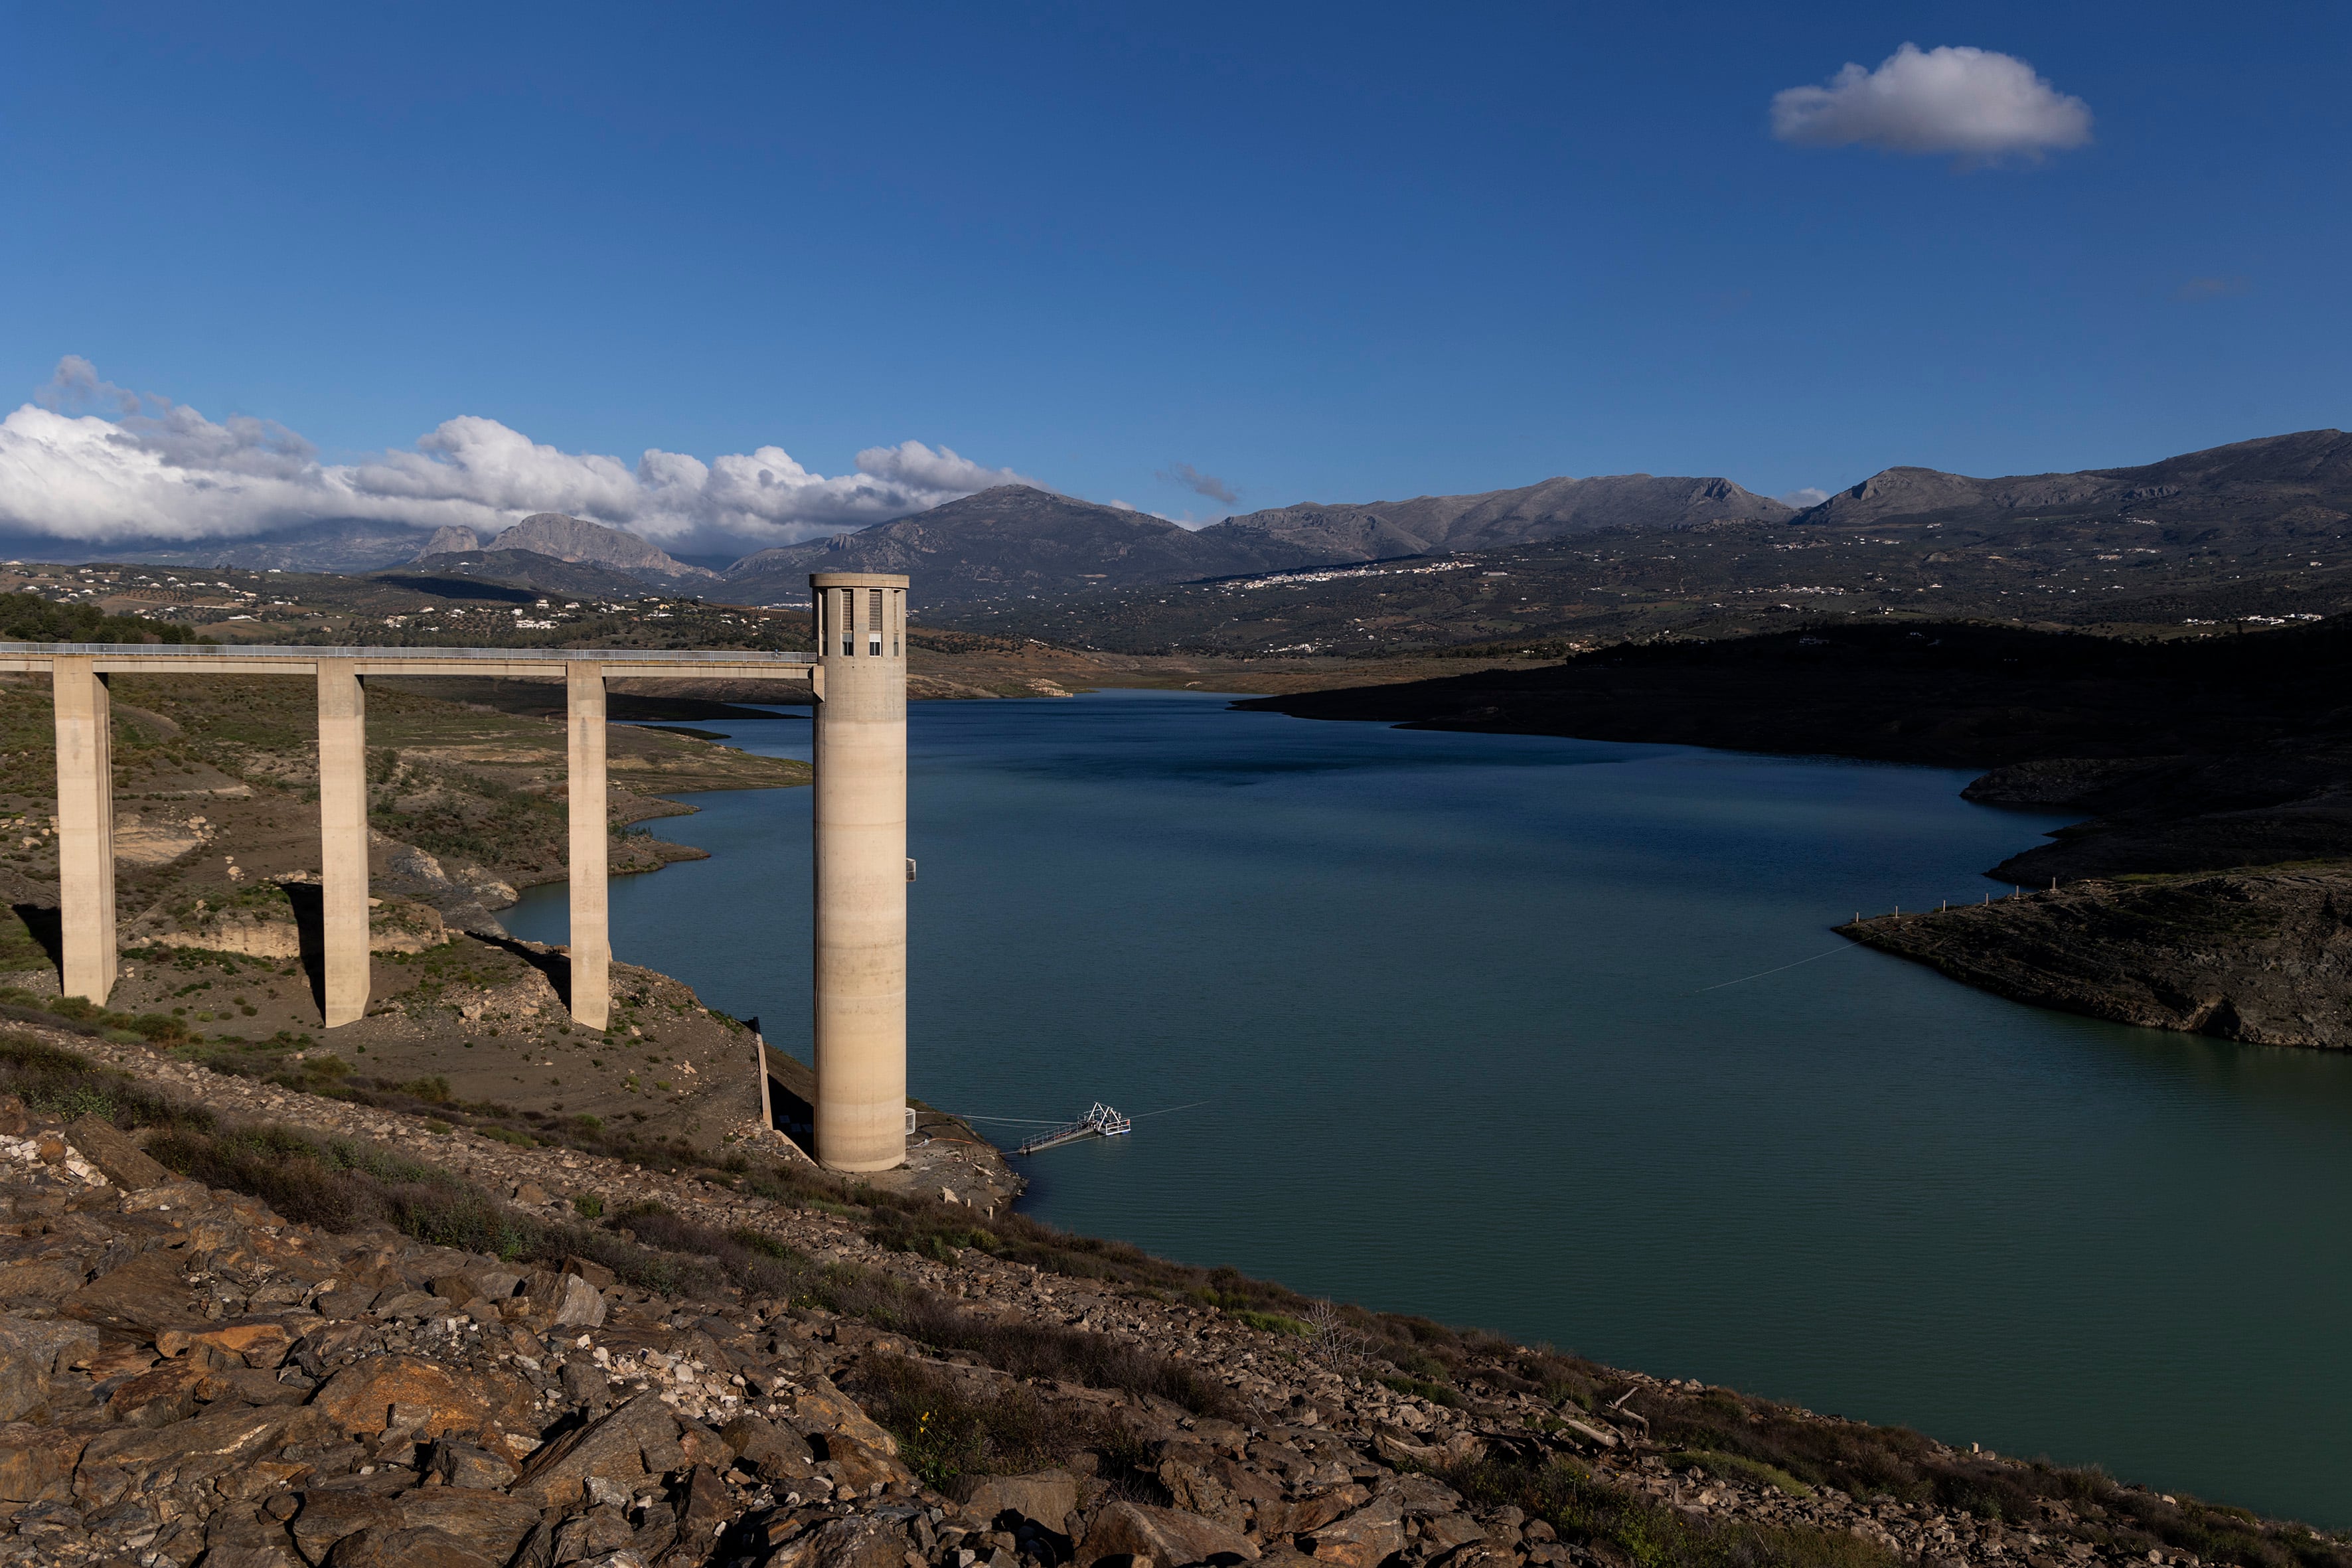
column 861, row 870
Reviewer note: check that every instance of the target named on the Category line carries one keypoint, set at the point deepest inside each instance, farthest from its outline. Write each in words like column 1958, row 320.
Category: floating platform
column 1101, row 1122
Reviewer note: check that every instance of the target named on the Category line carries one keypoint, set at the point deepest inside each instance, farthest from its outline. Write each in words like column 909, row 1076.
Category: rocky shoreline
column 766, row 1367
column 2264, row 959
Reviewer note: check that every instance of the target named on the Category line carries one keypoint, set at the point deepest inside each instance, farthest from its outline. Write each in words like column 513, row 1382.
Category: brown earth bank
column 248, row 1327
column 2228, row 754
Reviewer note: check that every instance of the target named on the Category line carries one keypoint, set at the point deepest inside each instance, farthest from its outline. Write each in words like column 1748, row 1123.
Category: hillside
column 1007, row 543
column 2304, row 478
column 272, row 1328
column 1015, row 543
column 2255, row 534
column 530, row 570
column 1554, row 508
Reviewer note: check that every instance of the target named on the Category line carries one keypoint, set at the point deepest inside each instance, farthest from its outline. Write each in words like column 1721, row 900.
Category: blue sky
column 1316, row 252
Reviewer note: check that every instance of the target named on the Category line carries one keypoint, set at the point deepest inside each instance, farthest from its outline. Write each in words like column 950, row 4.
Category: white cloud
column 1804, row 496
column 1973, row 102
column 158, row 471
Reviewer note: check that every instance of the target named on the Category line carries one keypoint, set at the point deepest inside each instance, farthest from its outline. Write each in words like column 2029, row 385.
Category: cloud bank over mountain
column 91, row 461
column 1974, row 102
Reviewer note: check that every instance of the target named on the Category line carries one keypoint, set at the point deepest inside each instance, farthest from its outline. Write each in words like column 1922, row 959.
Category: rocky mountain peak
column 575, row 539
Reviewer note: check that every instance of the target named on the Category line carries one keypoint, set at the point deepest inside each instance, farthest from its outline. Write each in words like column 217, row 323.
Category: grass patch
column 1274, row 1323
column 1421, row 1388
column 62, row 1083
column 1586, row 1511
column 946, row 1432
column 1733, row 1465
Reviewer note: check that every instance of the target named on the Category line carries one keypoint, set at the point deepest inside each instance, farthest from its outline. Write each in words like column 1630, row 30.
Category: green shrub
column 944, row 1432
column 63, row 1083
column 1734, row 1465
column 1586, row 1510
column 1435, row 1393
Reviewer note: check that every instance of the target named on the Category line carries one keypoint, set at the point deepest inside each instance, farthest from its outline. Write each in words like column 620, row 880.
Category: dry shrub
column 946, row 1431
column 1583, row 1508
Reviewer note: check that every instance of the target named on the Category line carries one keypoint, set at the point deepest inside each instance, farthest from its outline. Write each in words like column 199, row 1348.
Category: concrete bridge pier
column 860, row 851
column 85, row 825
column 78, row 678
column 591, row 937
column 343, row 837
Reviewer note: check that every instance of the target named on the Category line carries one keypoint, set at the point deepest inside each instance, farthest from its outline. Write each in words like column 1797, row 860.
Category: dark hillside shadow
column 45, row 924
column 556, row 966
column 792, row 1093
column 309, row 903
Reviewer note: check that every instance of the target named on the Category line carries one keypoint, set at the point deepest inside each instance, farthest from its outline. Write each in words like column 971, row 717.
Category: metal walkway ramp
column 1100, row 1121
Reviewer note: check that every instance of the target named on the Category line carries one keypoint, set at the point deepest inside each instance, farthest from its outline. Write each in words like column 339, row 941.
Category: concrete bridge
column 858, row 680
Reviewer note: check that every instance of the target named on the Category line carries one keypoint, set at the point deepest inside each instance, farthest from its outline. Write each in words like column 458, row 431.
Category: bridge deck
column 258, row 658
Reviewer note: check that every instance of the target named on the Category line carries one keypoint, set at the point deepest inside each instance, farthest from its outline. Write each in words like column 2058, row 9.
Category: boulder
column 825, row 1408
column 133, row 1461
column 493, row 1522
column 258, row 1341
column 584, row 1383
column 1365, row 1538
column 778, row 1453
column 1043, row 1497
column 329, row 1516
column 1299, row 1516
column 30, row 1352
column 359, row 1399
column 1447, row 1530
column 1421, row 1495
column 426, row 1548
column 1168, row 1537
column 247, row 1537
column 611, row 1446
column 148, row 1294
column 158, row 1398
column 705, row 1508
column 36, row 1463
column 603, row 1529
column 562, row 1300
column 701, row 1445
column 465, row 1464
column 860, row 1469
column 121, row 1162
column 40, row 1279
column 861, row 1541
column 596, row 1274
column 1197, row 1489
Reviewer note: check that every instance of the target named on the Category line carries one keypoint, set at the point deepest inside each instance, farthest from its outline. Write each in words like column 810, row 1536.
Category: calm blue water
column 1455, row 1004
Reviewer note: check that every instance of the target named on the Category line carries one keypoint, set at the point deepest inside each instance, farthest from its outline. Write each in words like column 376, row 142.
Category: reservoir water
column 1456, row 1011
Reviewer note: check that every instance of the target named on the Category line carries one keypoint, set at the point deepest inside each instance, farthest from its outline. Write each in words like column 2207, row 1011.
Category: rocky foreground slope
column 251, row 1344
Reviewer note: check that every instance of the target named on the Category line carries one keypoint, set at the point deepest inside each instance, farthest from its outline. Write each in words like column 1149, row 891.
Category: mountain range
column 1015, row 543
column 2302, row 477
